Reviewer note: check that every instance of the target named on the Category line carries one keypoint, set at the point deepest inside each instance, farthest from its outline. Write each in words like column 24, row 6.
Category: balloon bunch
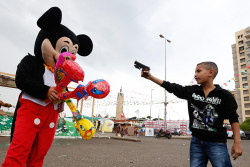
column 67, row 70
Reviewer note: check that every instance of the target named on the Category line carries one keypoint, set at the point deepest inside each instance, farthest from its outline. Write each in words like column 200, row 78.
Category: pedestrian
column 208, row 106
column 118, row 129
column 122, row 132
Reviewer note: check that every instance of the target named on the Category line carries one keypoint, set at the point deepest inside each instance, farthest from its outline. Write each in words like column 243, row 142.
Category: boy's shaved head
column 210, row 66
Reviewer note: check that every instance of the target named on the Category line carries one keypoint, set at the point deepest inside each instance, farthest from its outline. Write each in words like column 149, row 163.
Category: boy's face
column 202, row 74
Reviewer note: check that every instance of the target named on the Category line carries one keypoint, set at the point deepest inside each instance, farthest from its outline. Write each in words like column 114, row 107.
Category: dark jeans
column 202, row 151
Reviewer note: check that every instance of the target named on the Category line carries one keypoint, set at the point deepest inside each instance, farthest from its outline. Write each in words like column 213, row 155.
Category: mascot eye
column 68, row 58
column 64, row 49
column 82, row 127
column 94, row 90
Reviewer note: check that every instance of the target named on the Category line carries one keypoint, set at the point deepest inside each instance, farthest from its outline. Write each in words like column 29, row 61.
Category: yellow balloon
column 85, row 128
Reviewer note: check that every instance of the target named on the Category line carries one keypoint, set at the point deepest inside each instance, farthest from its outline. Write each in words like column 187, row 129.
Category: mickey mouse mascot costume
column 35, row 119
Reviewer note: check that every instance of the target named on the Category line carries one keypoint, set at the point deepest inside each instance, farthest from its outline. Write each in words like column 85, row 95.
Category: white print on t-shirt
column 212, row 100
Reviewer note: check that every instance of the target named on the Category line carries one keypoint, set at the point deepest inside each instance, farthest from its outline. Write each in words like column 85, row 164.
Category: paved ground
column 103, row 151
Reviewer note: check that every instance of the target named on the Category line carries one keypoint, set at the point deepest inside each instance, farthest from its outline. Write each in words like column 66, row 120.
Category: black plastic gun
column 141, row 66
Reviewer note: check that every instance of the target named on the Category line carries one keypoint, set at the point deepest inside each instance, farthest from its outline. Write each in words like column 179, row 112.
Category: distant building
column 119, row 105
column 241, row 62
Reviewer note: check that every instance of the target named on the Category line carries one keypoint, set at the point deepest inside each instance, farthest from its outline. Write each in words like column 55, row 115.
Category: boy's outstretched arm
column 236, row 149
column 146, row 74
column 177, row 90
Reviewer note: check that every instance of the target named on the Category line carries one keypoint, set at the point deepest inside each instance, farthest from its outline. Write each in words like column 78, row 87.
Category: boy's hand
column 52, row 95
column 146, row 74
column 236, row 150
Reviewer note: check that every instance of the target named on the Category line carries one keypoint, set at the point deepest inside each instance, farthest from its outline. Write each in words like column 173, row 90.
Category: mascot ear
column 50, row 18
column 85, row 45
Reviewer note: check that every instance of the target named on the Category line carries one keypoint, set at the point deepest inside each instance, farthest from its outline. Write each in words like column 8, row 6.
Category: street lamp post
column 165, row 92
column 151, row 103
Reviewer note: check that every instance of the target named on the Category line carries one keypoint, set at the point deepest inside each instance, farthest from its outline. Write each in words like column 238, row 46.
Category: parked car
column 247, row 133
column 230, row 132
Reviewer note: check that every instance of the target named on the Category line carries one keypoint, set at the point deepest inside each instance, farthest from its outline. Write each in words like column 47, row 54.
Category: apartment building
column 241, row 62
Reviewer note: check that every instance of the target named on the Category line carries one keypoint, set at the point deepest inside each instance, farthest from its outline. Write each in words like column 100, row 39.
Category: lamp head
column 161, row 36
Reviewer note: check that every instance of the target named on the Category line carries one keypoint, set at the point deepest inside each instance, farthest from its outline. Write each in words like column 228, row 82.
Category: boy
column 208, row 106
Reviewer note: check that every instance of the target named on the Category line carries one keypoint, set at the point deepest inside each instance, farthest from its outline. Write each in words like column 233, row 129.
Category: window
column 243, row 72
column 241, row 48
column 238, row 36
column 243, row 66
column 240, row 42
column 247, row 105
column 246, row 98
column 243, row 54
column 245, row 92
column 247, row 112
column 243, row 60
column 245, row 85
column 244, row 79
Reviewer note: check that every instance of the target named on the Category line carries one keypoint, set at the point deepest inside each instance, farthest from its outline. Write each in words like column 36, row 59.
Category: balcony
column 247, row 29
column 247, row 34
column 248, row 42
column 248, row 51
column 248, row 56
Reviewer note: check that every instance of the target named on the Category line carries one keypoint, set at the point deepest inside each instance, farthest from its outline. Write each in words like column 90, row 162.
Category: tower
column 119, row 105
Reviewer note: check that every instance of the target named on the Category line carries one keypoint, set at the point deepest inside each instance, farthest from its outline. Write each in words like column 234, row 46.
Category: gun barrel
column 141, row 66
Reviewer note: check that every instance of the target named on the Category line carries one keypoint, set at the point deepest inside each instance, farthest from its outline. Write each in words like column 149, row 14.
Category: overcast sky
column 125, row 31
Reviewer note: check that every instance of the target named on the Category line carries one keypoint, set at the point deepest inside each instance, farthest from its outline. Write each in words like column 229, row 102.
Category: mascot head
column 55, row 38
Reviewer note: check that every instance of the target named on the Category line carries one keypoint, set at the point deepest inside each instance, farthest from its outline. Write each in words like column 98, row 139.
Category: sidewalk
column 132, row 138
column 111, row 135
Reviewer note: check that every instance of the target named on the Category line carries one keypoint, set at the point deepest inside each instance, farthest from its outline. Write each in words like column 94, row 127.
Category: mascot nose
column 73, row 70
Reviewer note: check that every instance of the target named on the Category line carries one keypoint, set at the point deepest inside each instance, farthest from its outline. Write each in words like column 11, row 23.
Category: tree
column 156, row 119
column 134, row 117
column 149, row 117
column 245, row 125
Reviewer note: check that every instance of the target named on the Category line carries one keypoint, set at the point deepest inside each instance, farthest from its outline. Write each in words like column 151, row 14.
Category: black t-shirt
column 206, row 115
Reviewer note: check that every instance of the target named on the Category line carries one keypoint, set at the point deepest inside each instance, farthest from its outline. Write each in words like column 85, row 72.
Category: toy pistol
column 141, row 66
